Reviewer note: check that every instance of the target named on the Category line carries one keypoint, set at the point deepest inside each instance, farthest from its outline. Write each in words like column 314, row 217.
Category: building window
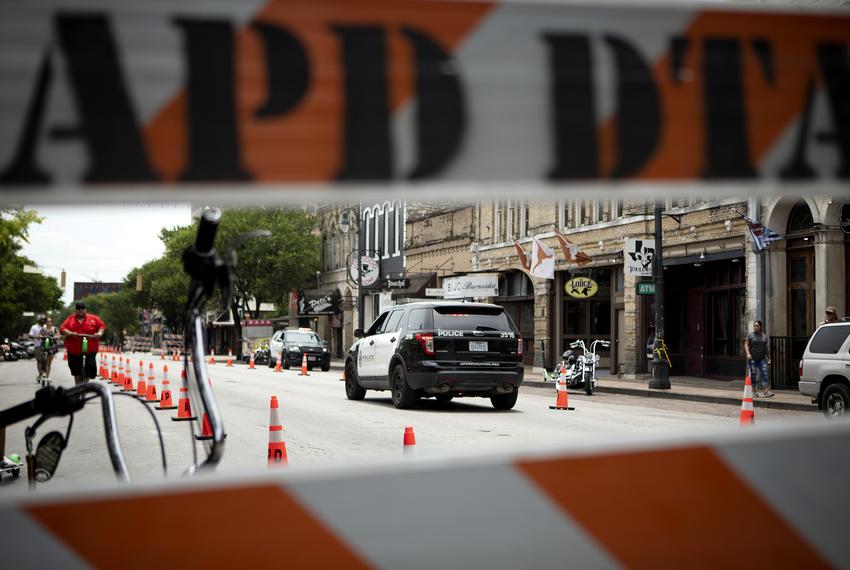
column 589, row 318
column 391, row 229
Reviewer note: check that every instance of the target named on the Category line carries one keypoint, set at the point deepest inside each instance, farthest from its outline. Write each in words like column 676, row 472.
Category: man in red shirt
column 76, row 327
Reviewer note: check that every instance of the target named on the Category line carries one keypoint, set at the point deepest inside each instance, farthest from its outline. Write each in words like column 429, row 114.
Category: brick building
column 713, row 276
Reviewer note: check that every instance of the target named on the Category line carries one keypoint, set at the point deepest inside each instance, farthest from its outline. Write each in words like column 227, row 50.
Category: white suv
column 825, row 369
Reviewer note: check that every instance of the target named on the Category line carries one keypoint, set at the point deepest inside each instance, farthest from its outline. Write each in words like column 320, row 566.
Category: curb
column 706, row 398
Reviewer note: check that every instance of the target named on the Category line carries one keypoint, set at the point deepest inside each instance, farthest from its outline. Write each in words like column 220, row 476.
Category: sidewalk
column 688, row 388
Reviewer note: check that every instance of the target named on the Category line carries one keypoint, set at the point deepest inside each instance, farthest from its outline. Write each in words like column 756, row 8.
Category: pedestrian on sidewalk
column 758, row 357
column 830, row 316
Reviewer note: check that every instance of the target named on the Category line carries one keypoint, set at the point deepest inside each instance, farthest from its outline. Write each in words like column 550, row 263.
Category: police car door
column 385, row 344
column 366, row 352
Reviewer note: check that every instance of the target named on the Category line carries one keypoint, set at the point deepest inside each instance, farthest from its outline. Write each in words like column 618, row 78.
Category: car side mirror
column 358, row 333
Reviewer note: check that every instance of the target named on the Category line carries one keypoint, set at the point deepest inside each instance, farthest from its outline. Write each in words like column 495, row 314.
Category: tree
column 19, row 291
column 270, row 267
column 164, row 287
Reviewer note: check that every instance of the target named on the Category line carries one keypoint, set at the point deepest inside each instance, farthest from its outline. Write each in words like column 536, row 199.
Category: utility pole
column 660, row 372
column 361, row 318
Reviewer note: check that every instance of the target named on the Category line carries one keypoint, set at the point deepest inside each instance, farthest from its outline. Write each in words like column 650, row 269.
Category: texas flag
column 542, row 259
column 523, row 256
column 571, row 251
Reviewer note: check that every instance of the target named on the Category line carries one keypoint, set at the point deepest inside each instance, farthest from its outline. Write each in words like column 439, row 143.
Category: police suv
column 438, row 349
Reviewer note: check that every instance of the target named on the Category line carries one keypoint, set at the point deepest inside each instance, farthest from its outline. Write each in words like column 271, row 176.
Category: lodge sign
column 581, row 287
column 396, row 283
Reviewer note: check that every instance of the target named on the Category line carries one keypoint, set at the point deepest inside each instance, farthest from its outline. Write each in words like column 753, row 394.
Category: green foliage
column 270, row 267
column 19, row 291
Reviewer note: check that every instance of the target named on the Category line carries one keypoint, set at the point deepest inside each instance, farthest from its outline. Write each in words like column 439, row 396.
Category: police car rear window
column 301, row 337
column 471, row 318
column 828, row 340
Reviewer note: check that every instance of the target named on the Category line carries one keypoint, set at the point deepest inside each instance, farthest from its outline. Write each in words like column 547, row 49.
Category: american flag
column 762, row 235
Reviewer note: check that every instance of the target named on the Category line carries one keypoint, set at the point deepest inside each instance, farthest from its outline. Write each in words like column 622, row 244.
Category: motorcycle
column 580, row 370
column 19, row 349
column 6, row 351
column 261, row 356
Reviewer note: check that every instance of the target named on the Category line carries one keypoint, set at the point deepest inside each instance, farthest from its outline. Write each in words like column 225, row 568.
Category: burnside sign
column 334, row 90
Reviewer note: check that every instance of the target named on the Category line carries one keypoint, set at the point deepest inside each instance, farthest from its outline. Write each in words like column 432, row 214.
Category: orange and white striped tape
column 766, row 499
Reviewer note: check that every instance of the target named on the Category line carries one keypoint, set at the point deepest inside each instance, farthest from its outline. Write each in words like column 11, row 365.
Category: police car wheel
column 353, row 390
column 504, row 401
column 403, row 395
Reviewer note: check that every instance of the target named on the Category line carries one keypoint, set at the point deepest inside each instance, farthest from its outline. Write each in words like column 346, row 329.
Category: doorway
column 694, row 344
column 801, row 291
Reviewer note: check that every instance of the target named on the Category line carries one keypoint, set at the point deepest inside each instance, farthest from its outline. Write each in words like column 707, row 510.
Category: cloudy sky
column 100, row 243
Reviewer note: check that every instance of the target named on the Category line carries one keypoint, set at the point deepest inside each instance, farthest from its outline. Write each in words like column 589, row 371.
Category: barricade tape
column 764, row 499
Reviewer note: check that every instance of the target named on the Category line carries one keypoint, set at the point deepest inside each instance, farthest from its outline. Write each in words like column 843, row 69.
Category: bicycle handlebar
column 57, row 401
column 206, row 230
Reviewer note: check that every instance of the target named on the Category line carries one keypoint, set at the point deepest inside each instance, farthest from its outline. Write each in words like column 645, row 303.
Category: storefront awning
column 708, row 257
column 418, row 283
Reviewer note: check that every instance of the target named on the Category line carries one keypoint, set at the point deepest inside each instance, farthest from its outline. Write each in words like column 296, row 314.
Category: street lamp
column 345, row 224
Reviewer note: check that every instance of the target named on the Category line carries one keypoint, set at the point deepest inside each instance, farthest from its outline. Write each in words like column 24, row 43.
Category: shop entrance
column 800, row 255
column 516, row 295
column 694, row 333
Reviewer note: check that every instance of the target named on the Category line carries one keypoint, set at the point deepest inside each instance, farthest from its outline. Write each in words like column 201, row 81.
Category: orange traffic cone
column 128, row 377
column 206, row 425
column 251, row 363
column 184, row 409
column 409, row 441
column 166, row 403
column 206, row 432
column 562, row 400
column 342, row 378
column 277, row 447
column 229, row 361
column 748, row 415
column 141, row 386
column 304, row 365
column 113, row 372
column 150, row 395
column 162, row 354
column 212, row 356
column 277, row 365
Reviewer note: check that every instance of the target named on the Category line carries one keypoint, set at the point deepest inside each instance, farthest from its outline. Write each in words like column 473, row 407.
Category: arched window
column 800, row 219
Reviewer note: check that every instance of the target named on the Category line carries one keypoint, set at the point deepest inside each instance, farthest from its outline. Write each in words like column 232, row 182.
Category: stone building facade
column 716, row 282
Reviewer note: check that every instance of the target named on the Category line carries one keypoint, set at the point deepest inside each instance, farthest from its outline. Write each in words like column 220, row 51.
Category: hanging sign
column 371, row 271
column 845, row 218
column 471, row 286
column 581, row 287
column 638, row 256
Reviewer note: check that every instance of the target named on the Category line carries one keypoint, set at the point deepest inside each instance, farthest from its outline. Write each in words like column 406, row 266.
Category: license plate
column 478, row 346
column 311, row 358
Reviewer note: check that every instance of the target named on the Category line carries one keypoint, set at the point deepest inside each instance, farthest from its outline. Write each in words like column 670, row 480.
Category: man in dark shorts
column 73, row 329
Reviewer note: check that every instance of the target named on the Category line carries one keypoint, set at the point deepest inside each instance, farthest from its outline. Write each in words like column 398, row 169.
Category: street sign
column 637, row 257
column 396, row 283
column 645, row 288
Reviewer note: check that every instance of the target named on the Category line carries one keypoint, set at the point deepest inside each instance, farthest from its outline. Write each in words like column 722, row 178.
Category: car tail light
column 801, row 368
column 519, row 346
column 427, row 342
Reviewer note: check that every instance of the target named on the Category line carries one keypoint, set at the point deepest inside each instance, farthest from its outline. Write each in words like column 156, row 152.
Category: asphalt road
column 322, row 426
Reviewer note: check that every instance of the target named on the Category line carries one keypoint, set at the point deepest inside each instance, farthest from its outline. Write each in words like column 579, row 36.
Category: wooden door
column 621, row 346
column 694, row 341
column 801, row 291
